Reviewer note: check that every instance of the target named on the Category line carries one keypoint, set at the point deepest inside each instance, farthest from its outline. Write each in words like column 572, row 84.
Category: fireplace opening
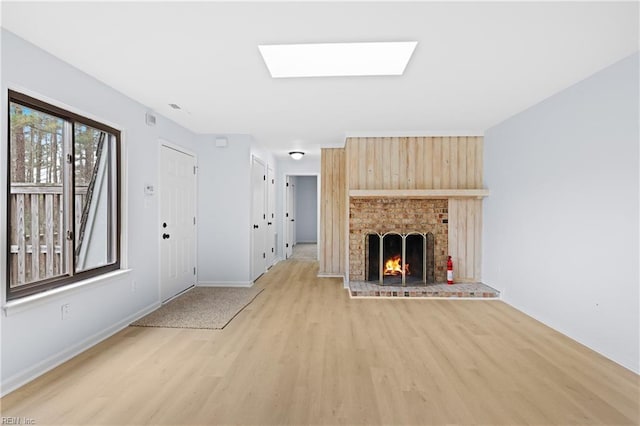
column 400, row 259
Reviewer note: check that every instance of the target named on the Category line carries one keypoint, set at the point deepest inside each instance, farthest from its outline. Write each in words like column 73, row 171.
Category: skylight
column 337, row 59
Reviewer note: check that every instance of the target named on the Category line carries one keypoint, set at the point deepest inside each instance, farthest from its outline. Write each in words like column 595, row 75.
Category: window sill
column 30, row 302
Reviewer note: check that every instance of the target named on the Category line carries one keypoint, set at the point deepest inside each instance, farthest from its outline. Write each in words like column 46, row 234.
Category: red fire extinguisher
column 449, row 271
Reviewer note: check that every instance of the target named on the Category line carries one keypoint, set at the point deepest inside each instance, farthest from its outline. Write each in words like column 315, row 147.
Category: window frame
column 71, row 276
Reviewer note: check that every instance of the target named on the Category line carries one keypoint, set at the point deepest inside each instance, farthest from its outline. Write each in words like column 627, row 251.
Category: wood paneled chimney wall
column 403, row 163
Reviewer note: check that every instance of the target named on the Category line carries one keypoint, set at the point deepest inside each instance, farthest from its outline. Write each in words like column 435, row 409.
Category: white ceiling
column 475, row 65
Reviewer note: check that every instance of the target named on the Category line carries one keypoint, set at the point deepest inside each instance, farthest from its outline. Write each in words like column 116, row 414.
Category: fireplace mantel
column 419, row 193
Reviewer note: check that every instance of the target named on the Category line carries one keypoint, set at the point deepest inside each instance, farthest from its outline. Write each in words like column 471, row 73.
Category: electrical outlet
column 66, row 311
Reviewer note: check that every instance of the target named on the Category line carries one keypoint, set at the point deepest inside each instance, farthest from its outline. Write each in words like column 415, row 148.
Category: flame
column 393, row 266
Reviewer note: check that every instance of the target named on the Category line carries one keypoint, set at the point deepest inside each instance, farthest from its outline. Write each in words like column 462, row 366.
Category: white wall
column 224, row 209
column 561, row 223
column 286, row 166
column 34, row 338
column 306, row 209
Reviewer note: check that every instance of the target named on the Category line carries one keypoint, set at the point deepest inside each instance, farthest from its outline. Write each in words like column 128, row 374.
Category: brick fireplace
column 400, row 216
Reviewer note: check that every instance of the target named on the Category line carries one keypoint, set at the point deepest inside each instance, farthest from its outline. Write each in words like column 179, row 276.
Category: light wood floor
column 304, row 353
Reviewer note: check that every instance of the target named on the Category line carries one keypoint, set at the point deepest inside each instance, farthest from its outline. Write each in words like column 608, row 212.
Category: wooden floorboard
column 305, row 353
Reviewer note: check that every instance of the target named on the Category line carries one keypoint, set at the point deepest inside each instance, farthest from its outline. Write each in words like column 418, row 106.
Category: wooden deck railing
column 37, row 231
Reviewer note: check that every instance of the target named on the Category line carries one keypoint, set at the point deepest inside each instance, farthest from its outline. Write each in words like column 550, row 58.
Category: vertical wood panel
column 403, row 161
column 437, row 163
column 386, row 155
column 461, row 243
column 477, row 227
column 427, row 162
column 22, row 246
column 453, row 171
column 479, row 162
column 379, row 163
column 419, row 164
column 411, row 162
column 471, row 162
column 332, row 221
column 370, row 149
column 453, row 231
column 445, row 183
column 465, row 227
column 35, row 237
column 336, row 225
column 48, row 209
column 362, row 159
column 395, row 163
column 462, row 162
column 470, row 239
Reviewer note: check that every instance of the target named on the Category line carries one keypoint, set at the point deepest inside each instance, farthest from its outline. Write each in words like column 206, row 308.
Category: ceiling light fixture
column 337, row 59
column 175, row 106
column 296, row 155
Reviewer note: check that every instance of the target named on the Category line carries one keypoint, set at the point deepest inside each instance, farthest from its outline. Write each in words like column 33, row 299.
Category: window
column 63, row 217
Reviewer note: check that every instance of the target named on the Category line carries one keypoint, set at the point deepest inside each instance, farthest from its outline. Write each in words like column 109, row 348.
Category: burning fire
column 393, row 266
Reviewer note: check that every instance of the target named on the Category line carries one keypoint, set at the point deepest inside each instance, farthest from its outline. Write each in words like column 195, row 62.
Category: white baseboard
column 225, row 283
column 29, row 374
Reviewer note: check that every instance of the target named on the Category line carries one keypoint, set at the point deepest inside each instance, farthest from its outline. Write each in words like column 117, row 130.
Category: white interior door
column 177, row 222
column 258, row 219
column 271, row 217
column 289, row 224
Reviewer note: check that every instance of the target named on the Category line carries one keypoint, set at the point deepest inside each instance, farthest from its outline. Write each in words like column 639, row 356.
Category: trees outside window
column 63, row 198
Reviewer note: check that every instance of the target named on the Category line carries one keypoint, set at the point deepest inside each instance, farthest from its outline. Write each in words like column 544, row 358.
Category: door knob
column 166, row 236
column 269, row 223
column 255, row 226
column 164, row 224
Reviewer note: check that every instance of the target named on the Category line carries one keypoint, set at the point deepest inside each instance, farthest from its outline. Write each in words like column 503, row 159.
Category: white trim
column 29, row 374
column 29, row 302
column 225, row 284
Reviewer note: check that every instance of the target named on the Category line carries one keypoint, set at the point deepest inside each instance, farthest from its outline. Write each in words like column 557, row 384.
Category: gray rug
column 201, row 307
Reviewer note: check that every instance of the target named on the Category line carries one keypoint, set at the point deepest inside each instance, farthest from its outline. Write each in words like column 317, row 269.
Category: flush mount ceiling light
column 337, row 59
column 296, row 155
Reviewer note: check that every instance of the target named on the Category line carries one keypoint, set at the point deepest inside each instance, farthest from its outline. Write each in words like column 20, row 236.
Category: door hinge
column 287, row 183
column 264, row 177
column 70, row 235
column 194, row 169
column 287, row 245
column 194, row 220
column 272, row 249
column 69, row 158
column 264, row 255
column 264, row 216
column 287, row 215
column 273, row 181
column 194, row 270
